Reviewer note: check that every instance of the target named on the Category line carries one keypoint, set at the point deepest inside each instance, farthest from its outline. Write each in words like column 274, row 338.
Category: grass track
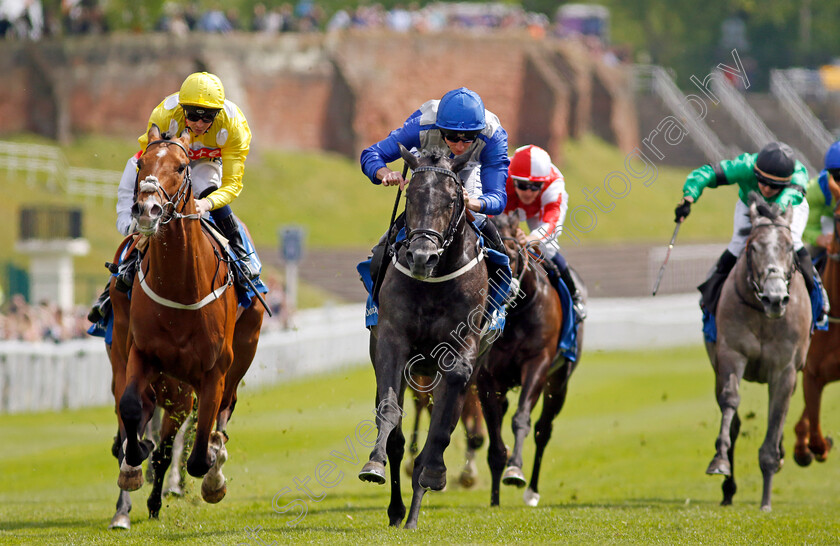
column 626, row 465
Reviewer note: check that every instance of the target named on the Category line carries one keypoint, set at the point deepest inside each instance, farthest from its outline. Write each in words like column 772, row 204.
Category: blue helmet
column 832, row 157
column 461, row 110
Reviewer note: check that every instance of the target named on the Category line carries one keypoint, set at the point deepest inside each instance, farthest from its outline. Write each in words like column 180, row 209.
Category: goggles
column 200, row 114
column 528, row 186
column 454, row 136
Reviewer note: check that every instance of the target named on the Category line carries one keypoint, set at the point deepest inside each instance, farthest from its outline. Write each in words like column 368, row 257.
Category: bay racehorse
column 172, row 396
column 763, row 333
column 183, row 321
column 823, row 363
column 526, row 355
column 471, row 418
column 431, row 302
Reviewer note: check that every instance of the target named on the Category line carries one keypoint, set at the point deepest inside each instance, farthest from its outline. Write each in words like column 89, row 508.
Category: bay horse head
column 770, row 256
column 163, row 182
column 434, row 208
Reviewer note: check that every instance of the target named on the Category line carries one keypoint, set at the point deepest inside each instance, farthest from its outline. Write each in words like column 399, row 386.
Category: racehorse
column 763, row 333
column 823, row 363
column 526, row 354
column 175, row 399
column 433, row 290
column 472, row 419
column 183, row 319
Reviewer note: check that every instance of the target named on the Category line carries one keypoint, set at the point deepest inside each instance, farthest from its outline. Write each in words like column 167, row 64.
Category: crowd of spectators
column 44, row 321
column 28, row 20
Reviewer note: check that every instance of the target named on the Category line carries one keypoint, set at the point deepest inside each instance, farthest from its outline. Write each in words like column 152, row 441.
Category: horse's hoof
column 466, row 480
column 174, row 492
column 373, row 472
column 432, row 480
column 131, row 477
column 804, row 458
column 719, row 466
column 120, row 521
column 531, row 497
column 212, row 496
column 513, row 476
column 766, row 508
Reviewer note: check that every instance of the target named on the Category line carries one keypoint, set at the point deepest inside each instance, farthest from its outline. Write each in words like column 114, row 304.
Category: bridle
column 181, row 197
column 440, row 240
column 773, row 272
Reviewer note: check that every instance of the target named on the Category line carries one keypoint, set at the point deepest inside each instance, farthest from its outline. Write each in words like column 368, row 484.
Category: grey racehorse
column 763, row 333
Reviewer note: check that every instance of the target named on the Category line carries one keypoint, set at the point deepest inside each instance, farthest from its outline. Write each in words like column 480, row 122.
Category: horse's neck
column 180, row 254
column 831, row 282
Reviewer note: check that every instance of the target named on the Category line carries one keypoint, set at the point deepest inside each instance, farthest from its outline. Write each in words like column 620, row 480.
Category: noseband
column 152, row 184
column 773, row 271
column 440, row 240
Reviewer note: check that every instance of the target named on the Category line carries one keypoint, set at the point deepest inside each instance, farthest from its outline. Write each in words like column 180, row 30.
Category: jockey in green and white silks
column 780, row 179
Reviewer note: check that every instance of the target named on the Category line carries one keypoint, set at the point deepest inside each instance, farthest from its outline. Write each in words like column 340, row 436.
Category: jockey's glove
column 682, row 210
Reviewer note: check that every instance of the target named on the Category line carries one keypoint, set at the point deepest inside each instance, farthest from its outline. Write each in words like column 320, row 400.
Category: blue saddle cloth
column 105, row 327
column 498, row 290
column 567, row 345
column 817, row 301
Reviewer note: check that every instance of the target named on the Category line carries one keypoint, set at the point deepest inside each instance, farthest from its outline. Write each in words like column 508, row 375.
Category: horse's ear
column 185, row 138
column 154, row 133
column 460, row 161
column 754, row 200
column 408, row 157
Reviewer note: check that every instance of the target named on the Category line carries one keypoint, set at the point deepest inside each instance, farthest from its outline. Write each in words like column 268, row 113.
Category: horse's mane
column 771, row 211
column 434, row 155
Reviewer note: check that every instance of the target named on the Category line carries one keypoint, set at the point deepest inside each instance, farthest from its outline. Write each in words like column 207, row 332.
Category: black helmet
column 774, row 165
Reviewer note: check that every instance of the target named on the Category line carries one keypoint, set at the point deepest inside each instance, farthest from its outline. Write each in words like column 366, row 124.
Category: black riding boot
column 711, row 287
column 126, row 271
column 577, row 296
column 102, row 305
column 810, row 275
column 230, row 229
column 491, row 236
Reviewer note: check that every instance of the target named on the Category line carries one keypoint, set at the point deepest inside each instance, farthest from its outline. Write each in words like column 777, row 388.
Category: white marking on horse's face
column 162, row 151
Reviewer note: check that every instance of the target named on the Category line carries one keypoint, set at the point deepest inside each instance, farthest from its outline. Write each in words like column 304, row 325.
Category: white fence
column 45, row 376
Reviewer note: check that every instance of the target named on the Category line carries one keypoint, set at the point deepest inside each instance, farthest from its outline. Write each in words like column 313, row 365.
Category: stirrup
column 580, row 308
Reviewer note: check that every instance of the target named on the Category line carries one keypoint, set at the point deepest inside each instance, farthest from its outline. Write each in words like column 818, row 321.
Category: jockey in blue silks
column 459, row 122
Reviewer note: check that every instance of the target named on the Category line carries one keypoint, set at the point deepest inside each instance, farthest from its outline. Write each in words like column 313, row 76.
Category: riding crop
column 667, row 255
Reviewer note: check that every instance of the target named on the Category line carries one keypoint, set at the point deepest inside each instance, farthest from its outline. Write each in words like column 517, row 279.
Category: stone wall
column 338, row 92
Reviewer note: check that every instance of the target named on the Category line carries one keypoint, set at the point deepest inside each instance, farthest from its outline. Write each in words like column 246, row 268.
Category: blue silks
column 568, row 330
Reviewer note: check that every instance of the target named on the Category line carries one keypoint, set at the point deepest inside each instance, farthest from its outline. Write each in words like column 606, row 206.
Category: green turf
column 626, row 465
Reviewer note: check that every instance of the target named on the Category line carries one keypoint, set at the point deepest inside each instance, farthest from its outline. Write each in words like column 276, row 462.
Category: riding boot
column 230, row 229
column 382, row 252
column 126, row 271
column 711, row 287
column 102, row 305
column 492, row 239
column 577, row 296
column 812, row 283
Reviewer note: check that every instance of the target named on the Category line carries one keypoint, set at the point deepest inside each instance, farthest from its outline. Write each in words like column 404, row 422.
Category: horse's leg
column 781, row 388
column 554, row 396
column 120, row 519
column 135, row 409
column 812, row 388
column 494, row 405
column 729, row 486
column 162, row 457
column 396, row 449
column 730, row 370
column 533, row 372
column 421, row 402
column 389, row 364
column 474, row 426
column 801, row 454
column 174, row 485
column 202, row 457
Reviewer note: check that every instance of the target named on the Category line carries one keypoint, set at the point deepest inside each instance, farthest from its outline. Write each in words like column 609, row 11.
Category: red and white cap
column 530, row 163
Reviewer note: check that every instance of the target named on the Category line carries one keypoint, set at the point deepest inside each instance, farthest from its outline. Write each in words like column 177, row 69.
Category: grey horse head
column 770, row 255
column 434, row 206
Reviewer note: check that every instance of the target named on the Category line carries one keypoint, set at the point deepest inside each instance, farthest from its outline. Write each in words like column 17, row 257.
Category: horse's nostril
column 156, row 211
column 785, row 300
column 432, row 261
column 135, row 209
column 765, row 300
column 409, row 257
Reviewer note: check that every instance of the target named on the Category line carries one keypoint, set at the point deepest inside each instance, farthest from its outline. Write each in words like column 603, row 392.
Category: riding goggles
column 454, row 136
column 528, row 186
column 200, row 114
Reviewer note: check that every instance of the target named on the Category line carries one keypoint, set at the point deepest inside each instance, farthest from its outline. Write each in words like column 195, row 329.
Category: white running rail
column 46, row 165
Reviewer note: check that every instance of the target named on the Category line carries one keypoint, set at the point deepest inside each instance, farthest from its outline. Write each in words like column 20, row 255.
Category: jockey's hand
column 203, row 205
column 824, row 240
column 521, row 238
column 392, row 178
column 683, row 209
column 472, row 203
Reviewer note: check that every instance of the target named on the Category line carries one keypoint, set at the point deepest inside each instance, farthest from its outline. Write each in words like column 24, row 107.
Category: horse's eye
column 181, row 168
